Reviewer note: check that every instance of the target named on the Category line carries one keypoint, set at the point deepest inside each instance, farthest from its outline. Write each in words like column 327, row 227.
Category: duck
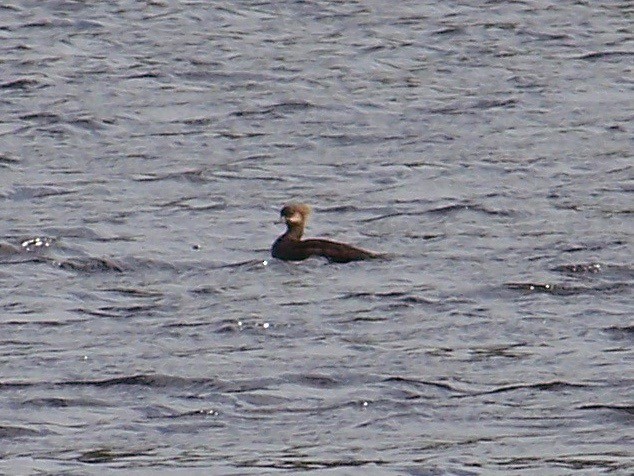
column 290, row 246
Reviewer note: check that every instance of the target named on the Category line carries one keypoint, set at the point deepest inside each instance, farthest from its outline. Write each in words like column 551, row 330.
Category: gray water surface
column 145, row 151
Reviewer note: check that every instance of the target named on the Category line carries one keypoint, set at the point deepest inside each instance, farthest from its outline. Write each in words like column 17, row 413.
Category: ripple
column 594, row 55
column 554, row 386
column 583, row 268
column 7, row 432
column 107, row 455
column 90, row 265
column 627, row 410
column 621, row 332
column 560, row 289
column 30, row 193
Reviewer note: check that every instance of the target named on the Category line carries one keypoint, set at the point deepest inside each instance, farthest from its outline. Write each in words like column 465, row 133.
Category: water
column 145, row 151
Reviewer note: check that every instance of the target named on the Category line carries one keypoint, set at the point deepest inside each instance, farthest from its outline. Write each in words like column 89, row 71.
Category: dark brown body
column 291, row 247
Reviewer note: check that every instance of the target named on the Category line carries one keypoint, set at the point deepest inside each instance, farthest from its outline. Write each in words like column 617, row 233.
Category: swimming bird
column 291, row 247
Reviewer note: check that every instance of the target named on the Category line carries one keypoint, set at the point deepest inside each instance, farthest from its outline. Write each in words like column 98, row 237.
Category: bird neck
column 294, row 231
